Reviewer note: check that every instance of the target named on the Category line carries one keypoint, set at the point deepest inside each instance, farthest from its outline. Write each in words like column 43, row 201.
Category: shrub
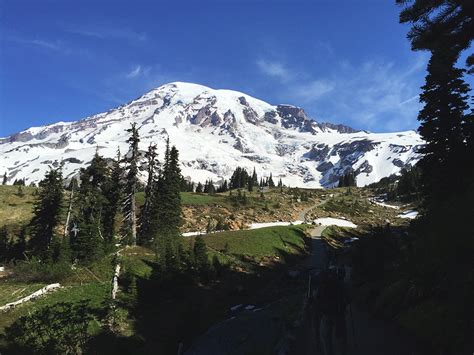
column 60, row 328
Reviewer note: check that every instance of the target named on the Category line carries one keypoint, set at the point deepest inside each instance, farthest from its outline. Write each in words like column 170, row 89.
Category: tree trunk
column 66, row 227
column 133, row 218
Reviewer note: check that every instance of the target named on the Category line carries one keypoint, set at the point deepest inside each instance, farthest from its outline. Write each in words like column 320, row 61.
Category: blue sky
column 342, row 61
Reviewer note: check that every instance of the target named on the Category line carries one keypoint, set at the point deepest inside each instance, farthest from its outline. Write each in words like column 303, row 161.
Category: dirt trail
column 366, row 335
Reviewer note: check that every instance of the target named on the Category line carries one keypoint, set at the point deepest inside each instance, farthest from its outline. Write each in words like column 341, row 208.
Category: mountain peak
column 215, row 131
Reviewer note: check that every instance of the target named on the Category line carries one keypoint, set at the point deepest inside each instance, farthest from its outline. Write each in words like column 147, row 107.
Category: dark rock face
column 325, row 166
column 364, row 168
column 293, row 117
column 398, row 163
column 270, row 116
column 256, row 158
column 250, row 115
column 243, row 101
column 20, row 137
column 398, row 148
column 284, row 149
column 201, row 115
column 73, row 161
column 318, row 152
column 338, row 127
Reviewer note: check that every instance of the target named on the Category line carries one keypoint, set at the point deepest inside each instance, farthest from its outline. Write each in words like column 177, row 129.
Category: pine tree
column 145, row 221
column 168, row 211
column 5, row 179
column 254, row 178
column 200, row 255
column 130, row 188
column 4, row 246
column 250, row 185
column 224, row 187
column 444, row 126
column 19, row 247
column 436, row 23
column 46, row 213
column 89, row 242
column 113, row 191
column 199, row 188
column 270, row 181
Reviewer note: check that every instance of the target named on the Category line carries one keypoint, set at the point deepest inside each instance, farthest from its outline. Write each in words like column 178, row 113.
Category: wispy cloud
column 134, row 72
column 274, row 69
column 138, row 71
column 127, row 34
column 374, row 95
column 311, row 91
column 54, row 45
column 46, row 44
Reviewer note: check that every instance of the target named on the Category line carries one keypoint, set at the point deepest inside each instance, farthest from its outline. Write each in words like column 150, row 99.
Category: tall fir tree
column 88, row 242
column 113, row 191
column 271, row 183
column 5, row 179
column 440, row 22
column 146, row 214
column 47, row 212
column 199, row 188
column 130, row 188
column 167, row 211
column 201, row 258
column 254, row 178
column 444, row 126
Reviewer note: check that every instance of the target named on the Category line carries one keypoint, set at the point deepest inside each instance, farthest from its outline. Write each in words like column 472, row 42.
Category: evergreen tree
column 19, row 246
column 131, row 185
column 250, row 185
column 347, row 180
column 254, row 178
column 4, row 245
column 88, row 243
column 168, row 211
column 5, row 179
column 146, row 232
column 239, row 179
column 224, row 187
column 46, row 213
column 200, row 255
column 199, row 188
column 444, row 126
column 440, row 22
column 211, row 190
column 113, row 191
column 270, row 181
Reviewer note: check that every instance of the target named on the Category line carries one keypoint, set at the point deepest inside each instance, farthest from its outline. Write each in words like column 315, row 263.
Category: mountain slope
column 215, row 131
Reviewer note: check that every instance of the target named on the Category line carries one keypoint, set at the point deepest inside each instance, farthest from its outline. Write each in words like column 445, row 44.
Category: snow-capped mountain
column 215, row 131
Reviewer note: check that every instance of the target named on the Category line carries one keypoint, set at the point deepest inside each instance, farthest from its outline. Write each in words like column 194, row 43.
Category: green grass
column 13, row 291
column 191, row 199
column 94, row 292
column 15, row 210
column 259, row 243
column 348, row 204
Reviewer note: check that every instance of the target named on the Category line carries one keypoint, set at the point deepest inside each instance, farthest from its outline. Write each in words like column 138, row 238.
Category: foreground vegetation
column 236, row 276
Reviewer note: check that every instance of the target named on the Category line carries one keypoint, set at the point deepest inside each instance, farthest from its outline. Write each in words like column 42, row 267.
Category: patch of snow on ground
column 411, row 214
column 329, row 221
column 273, row 224
column 192, row 234
column 383, row 204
